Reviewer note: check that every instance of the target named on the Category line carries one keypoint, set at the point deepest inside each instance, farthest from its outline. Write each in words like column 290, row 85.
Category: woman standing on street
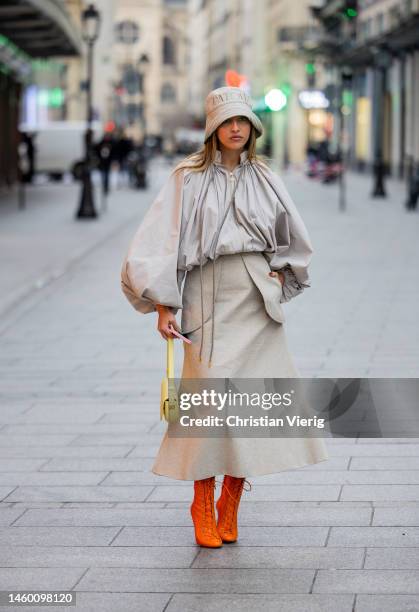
column 227, row 222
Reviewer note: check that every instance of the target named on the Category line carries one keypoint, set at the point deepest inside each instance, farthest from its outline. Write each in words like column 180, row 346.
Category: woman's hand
column 280, row 275
column 166, row 318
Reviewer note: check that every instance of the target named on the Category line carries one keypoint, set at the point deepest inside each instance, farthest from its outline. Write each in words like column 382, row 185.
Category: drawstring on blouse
column 213, row 271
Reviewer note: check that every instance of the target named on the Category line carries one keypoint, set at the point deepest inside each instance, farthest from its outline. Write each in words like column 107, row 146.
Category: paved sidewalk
column 80, row 373
column 359, row 316
column 39, row 243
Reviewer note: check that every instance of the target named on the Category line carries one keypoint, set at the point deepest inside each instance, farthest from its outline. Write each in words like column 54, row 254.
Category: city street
column 80, row 375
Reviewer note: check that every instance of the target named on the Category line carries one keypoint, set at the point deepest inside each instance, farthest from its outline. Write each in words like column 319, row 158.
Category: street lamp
column 90, row 31
column 143, row 60
column 382, row 60
column 345, row 81
column 142, row 63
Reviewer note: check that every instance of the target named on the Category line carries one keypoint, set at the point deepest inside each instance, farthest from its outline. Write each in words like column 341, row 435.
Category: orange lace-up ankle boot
column 203, row 514
column 228, row 505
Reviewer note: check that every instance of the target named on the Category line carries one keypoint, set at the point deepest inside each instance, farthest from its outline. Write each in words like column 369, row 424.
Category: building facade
column 139, row 67
column 141, row 61
column 259, row 47
column 374, row 46
column 291, row 31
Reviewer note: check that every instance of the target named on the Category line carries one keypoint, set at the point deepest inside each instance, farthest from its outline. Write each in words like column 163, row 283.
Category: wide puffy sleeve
column 149, row 273
column 293, row 246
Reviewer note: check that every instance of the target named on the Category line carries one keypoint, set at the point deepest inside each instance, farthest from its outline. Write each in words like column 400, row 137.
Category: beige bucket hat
column 226, row 102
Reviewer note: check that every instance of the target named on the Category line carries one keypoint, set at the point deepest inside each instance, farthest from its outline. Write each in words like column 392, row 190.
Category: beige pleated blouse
column 191, row 222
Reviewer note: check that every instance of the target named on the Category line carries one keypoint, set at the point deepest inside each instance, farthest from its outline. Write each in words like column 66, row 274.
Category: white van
column 59, row 144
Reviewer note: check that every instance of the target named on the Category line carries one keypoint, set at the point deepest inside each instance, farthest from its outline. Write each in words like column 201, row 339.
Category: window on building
column 131, row 79
column 407, row 8
column 133, row 113
column 395, row 16
column 168, row 93
column 169, row 56
column 366, row 29
column 379, row 27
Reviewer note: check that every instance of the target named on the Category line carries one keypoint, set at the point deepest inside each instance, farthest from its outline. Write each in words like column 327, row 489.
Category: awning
column 40, row 28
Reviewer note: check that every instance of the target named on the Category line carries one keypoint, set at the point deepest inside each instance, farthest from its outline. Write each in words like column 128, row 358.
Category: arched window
column 168, row 93
column 169, row 56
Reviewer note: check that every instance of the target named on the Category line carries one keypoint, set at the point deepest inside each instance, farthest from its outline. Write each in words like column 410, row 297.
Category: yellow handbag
column 169, row 400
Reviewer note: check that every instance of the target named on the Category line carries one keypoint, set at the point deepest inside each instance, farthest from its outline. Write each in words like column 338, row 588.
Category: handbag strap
column 170, row 358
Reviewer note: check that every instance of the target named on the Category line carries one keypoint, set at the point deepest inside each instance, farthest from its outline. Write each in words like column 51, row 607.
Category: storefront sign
column 310, row 98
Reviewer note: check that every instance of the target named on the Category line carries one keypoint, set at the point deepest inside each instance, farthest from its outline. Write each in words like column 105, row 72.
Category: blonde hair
column 202, row 159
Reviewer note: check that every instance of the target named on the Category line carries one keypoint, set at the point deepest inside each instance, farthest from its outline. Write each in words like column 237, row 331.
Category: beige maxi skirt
column 248, row 343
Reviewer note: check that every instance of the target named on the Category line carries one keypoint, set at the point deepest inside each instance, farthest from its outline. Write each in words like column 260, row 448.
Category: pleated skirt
column 248, row 343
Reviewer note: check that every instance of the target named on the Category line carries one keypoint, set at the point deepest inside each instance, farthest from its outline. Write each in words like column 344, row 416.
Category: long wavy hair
column 202, row 159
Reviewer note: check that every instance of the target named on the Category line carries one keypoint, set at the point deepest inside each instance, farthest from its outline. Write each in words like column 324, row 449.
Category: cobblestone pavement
column 80, row 373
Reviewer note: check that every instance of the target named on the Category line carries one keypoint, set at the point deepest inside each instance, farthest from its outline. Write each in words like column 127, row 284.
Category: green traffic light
column 350, row 12
column 310, row 68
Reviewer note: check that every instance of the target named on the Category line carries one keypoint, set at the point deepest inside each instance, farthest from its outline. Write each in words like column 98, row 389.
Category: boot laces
column 231, row 506
column 209, row 513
